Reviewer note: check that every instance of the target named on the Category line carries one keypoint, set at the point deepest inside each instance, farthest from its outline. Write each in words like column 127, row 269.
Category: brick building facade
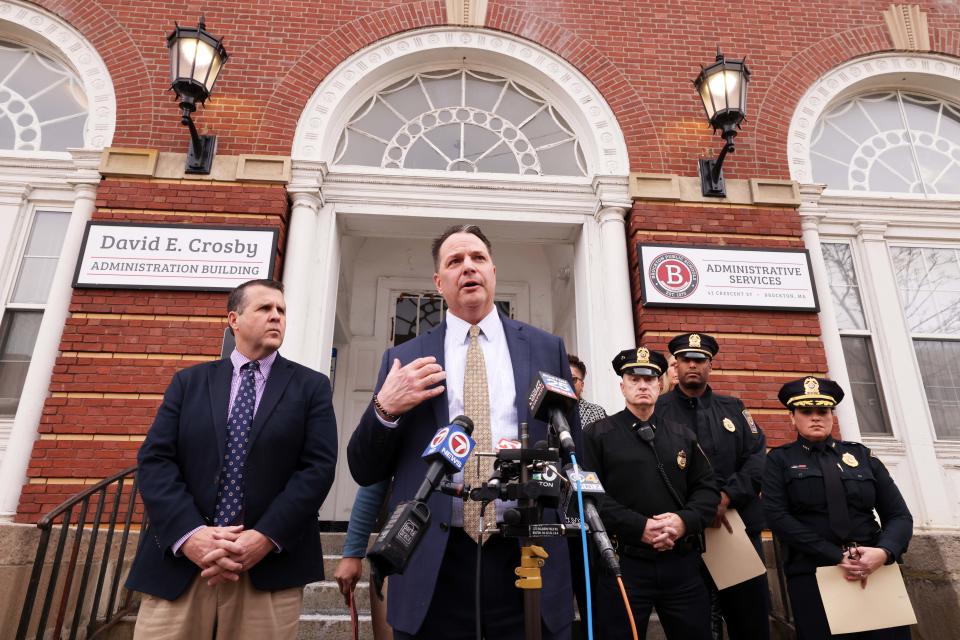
column 288, row 112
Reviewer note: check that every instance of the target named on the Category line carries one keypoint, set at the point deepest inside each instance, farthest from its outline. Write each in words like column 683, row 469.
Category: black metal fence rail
column 55, row 586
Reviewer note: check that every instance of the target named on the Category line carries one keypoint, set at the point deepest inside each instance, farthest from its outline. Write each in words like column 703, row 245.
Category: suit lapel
column 432, row 345
column 219, row 379
column 280, row 375
column 519, row 348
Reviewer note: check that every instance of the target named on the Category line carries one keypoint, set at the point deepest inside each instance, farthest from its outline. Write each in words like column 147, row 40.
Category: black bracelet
column 383, row 412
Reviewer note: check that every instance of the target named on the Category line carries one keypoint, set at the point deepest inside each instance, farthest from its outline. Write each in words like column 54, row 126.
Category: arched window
column 891, row 141
column 461, row 120
column 43, row 106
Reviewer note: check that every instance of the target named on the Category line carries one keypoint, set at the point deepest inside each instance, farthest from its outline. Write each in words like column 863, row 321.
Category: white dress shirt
column 500, row 385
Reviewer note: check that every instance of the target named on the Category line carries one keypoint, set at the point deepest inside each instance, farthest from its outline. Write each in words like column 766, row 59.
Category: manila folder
column 851, row 608
column 731, row 557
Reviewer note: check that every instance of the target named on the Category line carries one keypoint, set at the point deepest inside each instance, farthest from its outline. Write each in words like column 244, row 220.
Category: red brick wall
column 120, row 348
column 759, row 350
column 642, row 57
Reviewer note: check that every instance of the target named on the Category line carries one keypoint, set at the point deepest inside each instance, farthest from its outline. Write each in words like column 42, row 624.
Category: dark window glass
column 18, row 334
column 415, row 313
column 865, row 384
column 940, row 370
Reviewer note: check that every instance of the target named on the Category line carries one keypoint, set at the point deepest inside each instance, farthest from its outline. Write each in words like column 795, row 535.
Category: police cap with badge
column 698, row 346
column 640, row 362
column 810, row 392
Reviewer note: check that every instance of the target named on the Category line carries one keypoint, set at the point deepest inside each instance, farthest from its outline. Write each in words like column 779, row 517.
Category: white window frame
column 869, row 306
column 18, row 255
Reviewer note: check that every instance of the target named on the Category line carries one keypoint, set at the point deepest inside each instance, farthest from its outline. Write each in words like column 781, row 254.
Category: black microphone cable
column 646, row 433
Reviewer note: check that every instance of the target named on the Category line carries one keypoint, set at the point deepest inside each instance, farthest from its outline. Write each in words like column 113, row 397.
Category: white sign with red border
column 726, row 278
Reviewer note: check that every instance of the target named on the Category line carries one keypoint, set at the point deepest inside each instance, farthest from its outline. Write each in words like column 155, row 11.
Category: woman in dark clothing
column 819, row 496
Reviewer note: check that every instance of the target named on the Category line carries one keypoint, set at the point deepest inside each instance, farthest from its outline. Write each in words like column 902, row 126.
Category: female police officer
column 819, row 495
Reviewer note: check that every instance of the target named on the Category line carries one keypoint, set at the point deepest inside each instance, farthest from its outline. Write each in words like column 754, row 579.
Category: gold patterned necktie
column 476, row 405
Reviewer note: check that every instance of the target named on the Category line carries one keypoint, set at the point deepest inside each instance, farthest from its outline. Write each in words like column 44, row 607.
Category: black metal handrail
column 72, row 594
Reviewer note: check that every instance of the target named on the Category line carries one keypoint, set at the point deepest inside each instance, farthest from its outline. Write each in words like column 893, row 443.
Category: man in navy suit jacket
column 414, row 397
column 203, row 571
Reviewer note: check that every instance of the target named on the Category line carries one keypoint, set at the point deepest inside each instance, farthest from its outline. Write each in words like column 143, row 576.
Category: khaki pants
column 227, row 611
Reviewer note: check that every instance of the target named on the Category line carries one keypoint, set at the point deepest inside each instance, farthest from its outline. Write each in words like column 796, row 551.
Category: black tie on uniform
column 837, row 510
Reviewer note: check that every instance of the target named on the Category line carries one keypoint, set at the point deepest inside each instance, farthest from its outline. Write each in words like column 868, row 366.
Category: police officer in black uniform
column 819, row 495
column 736, row 447
column 660, row 493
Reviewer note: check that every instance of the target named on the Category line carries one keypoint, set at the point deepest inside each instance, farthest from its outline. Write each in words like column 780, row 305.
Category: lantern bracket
column 712, row 183
column 202, row 148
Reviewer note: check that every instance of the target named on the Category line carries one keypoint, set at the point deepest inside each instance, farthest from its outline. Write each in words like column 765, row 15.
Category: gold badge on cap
column 728, row 425
column 643, row 355
column 682, row 459
column 811, row 386
column 694, row 340
column 849, row 460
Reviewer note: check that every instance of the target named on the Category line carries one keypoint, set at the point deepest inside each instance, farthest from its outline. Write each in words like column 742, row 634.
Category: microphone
column 646, row 432
column 591, row 489
column 600, row 537
column 550, row 399
column 447, row 453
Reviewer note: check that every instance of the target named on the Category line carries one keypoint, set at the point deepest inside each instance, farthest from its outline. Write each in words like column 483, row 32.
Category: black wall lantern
column 196, row 58
column 723, row 89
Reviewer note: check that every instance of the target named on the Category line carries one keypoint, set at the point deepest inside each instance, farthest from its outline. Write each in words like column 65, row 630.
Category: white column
column 37, row 383
column 602, row 282
column 617, row 301
column 297, row 273
column 322, row 313
column 911, row 422
column 810, row 218
column 298, row 277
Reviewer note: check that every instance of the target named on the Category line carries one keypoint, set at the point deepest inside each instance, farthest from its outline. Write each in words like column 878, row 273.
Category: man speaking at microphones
column 478, row 363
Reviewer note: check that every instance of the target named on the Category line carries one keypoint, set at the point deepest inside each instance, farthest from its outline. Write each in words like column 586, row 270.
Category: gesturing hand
column 407, row 386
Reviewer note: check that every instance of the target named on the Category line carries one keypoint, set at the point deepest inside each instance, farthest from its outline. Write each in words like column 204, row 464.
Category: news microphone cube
column 548, row 392
column 450, row 444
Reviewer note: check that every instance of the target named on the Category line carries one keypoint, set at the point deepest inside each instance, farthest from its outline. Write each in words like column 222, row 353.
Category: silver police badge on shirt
column 682, row 459
column 728, row 425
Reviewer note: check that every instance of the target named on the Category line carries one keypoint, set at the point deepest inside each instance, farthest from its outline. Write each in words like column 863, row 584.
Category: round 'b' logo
column 673, row 275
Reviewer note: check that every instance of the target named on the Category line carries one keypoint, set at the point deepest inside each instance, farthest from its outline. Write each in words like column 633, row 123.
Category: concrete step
column 332, row 543
column 324, row 597
column 330, row 563
column 332, row 627
column 312, row 627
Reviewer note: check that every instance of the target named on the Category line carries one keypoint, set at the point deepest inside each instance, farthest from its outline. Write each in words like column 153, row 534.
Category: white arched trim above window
column 344, row 90
column 928, row 73
column 47, row 31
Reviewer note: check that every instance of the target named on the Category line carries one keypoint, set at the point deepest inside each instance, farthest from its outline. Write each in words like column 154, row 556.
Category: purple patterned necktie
column 230, row 494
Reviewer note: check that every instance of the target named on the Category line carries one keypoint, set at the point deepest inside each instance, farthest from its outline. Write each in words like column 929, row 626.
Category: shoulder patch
column 750, row 422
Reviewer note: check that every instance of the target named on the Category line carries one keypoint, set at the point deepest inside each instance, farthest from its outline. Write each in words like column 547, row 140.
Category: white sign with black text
column 730, row 278
column 125, row 255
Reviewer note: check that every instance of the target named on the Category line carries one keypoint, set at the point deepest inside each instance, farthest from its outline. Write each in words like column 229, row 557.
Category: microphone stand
column 528, row 556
